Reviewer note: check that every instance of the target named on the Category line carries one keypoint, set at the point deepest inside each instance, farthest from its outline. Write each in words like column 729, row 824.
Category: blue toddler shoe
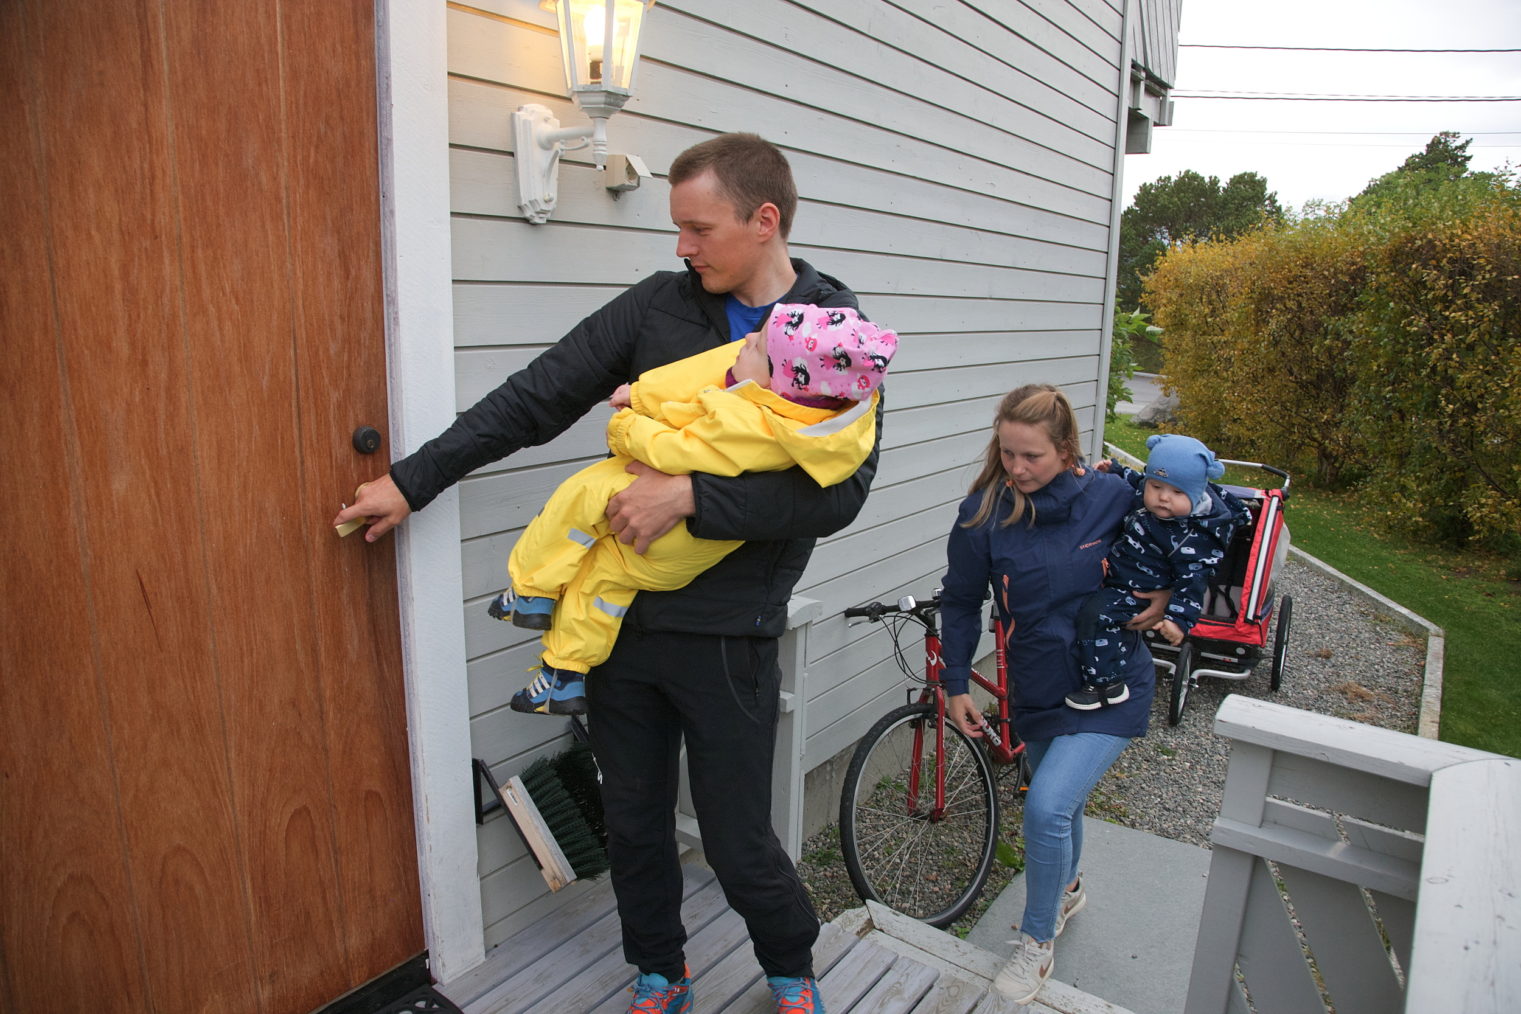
column 533, row 612
column 552, row 692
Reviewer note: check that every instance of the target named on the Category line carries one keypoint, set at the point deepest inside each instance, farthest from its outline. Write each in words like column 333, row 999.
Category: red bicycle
column 919, row 813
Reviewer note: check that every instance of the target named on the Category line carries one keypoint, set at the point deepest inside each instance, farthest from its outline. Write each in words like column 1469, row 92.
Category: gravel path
column 1345, row 659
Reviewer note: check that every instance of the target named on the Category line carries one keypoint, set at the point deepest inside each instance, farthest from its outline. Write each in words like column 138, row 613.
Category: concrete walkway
column 1133, row 943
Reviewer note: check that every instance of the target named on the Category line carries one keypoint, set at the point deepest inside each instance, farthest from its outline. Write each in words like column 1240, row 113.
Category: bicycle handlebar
column 1266, row 468
column 874, row 611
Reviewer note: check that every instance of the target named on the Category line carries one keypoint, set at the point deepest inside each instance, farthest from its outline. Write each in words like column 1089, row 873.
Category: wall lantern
column 599, row 48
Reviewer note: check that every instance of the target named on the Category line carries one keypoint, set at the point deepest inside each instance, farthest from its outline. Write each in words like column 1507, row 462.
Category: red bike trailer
column 1231, row 636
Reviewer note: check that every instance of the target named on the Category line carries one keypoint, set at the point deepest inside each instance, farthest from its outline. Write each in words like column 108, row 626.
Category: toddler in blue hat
column 1174, row 537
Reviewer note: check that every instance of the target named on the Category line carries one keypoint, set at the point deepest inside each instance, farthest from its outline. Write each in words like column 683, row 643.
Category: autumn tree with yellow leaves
column 1373, row 345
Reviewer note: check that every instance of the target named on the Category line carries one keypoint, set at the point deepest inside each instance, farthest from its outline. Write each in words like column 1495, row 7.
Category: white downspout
column 1116, row 208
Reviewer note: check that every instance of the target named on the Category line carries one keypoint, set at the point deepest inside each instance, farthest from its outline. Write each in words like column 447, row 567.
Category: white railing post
column 1468, row 919
column 792, row 729
column 1212, row 982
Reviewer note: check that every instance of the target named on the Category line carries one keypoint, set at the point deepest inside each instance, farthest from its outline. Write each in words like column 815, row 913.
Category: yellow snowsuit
column 681, row 420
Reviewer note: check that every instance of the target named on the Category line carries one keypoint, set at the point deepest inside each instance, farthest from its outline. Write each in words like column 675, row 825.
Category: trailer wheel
column 1182, row 682
column 1281, row 640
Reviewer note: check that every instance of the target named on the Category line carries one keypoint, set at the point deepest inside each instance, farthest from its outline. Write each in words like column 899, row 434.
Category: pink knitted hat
column 826, row 352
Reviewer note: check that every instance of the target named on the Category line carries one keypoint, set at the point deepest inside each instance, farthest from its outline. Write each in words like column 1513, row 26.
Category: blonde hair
column 1034, row 405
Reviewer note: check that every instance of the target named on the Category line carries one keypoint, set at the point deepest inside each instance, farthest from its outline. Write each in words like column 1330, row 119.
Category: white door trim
column 412, row 82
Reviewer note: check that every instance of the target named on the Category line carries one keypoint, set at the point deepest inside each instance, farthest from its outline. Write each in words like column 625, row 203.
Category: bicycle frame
column 895, row 816
column 1002, row 746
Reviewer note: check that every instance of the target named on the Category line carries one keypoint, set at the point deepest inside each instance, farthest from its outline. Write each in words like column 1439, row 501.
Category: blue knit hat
column 1183, row 463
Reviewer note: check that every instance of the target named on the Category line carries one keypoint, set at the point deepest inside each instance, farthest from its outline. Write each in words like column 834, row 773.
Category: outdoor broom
column 556, row 806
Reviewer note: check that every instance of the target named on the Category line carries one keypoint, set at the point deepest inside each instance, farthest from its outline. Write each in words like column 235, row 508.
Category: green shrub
column 1129, row 329
column 1440, row 360
column 1376, row 346
column 1258, row 344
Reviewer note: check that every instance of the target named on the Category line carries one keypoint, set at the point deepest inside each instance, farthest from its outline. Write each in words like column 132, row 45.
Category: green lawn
column 1466, row 594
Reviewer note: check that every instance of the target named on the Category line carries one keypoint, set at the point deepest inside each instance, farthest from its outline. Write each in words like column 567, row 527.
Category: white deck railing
column 1360, row 870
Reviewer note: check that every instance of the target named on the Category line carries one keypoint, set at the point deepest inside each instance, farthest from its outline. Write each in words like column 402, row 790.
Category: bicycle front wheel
column 897, row 851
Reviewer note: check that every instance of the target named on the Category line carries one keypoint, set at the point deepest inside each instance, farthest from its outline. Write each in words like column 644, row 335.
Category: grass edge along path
column 1467, row 594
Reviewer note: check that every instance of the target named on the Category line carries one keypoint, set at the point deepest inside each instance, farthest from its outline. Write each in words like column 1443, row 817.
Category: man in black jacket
column 698, row 664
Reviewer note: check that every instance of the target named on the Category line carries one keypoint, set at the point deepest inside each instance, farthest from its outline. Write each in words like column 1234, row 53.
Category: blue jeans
column 1066, row 770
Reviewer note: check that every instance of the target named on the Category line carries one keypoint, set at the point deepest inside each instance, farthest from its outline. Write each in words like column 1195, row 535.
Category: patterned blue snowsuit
column 1152, row 553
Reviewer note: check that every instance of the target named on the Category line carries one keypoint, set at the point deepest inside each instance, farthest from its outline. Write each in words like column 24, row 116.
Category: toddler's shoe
column 796, row 994
column 553, row 692
column 1091, row 696
column 533, row 612
column 655, row 994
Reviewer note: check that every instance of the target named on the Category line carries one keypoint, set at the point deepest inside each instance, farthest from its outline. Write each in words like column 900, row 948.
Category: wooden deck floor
column 869, row 961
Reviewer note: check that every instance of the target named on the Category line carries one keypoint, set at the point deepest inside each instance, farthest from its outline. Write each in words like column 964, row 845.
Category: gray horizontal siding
column 954, row 164
column 1154, row 38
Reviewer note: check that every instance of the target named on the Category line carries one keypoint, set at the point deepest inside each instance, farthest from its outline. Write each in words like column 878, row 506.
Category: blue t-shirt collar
column 744, row 319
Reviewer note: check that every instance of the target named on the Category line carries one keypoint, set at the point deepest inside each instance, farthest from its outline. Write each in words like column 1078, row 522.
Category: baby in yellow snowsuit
column 800, row 391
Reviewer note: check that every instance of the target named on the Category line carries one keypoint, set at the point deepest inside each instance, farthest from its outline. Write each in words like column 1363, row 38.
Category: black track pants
column 720, row 694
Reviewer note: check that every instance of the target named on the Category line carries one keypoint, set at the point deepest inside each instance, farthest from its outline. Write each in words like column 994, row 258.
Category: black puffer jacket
column 778, row 515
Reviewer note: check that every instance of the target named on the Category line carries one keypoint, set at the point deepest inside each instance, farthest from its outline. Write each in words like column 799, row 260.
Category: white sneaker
column 1072, row 903
column 1028, row 969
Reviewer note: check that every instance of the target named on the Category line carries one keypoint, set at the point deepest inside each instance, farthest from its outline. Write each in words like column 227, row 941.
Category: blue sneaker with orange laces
column 655, row 994
column 796, row 994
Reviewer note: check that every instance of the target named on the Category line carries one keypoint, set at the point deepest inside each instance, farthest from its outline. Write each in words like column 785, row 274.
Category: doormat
column 426, row 1000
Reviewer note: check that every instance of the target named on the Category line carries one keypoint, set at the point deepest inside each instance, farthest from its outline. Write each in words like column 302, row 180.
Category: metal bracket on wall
column 526, row 820
column 485, row 807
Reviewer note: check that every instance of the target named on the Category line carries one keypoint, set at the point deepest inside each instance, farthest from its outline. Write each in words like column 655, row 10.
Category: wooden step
column 870, row 960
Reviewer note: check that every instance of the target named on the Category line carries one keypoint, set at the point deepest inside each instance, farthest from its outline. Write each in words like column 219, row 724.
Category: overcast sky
column 1330, row 150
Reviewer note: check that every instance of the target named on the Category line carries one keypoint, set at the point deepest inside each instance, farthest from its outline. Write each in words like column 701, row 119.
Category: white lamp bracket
column 539, row 142
column 599, row 52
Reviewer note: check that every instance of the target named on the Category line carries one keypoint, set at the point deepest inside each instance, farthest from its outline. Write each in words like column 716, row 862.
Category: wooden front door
column 204, row 785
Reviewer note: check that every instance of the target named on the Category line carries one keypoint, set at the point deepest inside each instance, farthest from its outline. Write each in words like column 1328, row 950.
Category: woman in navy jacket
column 1035, row 529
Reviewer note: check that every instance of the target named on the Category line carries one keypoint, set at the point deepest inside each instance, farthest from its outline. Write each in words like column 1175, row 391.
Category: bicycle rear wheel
column 932, row 870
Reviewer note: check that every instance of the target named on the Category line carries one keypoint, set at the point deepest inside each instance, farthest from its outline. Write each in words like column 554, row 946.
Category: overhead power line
column 1306, row 97
column 1209, row 137
column 1336, row 49
column 1345, row 133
